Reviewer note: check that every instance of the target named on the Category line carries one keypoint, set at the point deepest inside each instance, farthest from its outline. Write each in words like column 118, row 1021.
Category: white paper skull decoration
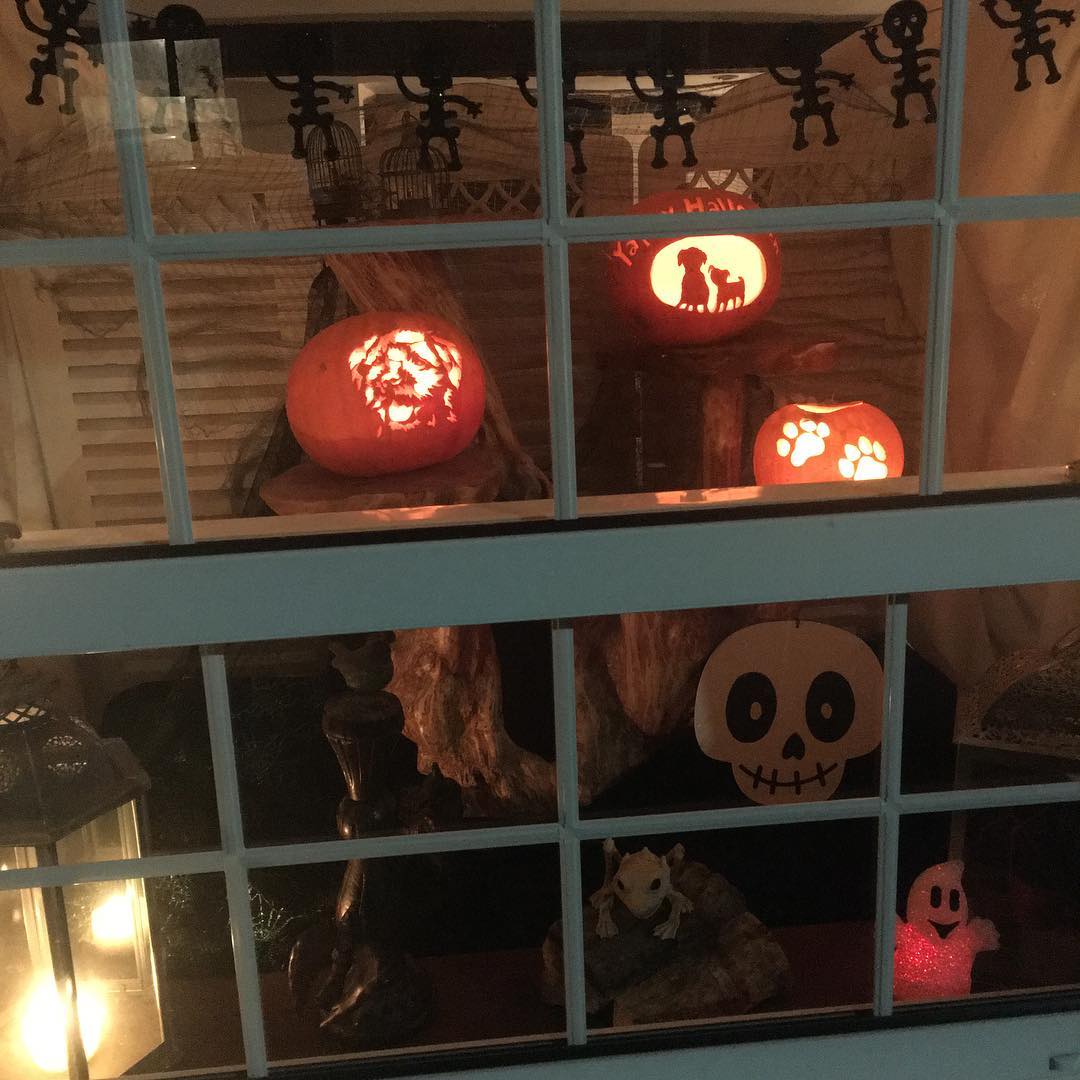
column 788, row 704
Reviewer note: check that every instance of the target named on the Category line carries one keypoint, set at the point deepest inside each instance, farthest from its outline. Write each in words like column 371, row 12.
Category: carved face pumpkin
column 808, row 444
column 383, row 392
column 697, row 289
column 787, row 704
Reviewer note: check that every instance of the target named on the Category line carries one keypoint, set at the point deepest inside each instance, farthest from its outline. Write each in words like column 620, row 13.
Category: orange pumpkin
column 696, row 289
column 807, row 444
column 385, row 392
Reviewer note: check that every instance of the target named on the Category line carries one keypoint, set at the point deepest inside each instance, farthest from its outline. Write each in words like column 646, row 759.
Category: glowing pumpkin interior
column 408, row 378
column 708, row 273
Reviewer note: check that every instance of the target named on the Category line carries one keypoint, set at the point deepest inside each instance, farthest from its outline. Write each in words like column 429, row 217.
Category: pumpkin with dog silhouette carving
column 693, row 290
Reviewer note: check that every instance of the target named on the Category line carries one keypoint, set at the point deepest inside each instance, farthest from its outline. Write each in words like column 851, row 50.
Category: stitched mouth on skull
column 408, row 377
column 797, row 782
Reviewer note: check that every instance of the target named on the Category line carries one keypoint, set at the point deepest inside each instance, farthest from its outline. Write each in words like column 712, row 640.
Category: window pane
column 260, row 118
column 151, row 961
column 726, row 370
column 78, row 464
column 1035, row 122
column 993, row 687
column 106, row 757
column 769, row 704
column 454, row 940
column 436, row 728
column 428, row 407
column 733, row 126
column 989, row 903
column 1014, row 388
column 59, row 175
column 780, row 921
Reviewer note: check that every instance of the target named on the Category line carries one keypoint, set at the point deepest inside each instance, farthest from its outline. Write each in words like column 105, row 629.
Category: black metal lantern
column 408, row 189
column 335, row 173
column 67, row 795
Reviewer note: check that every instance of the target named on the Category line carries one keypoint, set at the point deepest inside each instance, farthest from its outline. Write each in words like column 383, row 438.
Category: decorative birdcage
column 409, row 190
column 335, row 172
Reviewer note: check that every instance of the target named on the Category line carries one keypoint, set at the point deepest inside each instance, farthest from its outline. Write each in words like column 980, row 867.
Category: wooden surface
column 474, row 476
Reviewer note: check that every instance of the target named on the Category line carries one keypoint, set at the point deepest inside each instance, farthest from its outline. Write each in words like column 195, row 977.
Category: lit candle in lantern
column 45, row 1019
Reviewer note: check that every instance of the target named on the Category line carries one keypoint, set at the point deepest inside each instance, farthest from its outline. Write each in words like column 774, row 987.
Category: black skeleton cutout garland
column 788, row 704
column 62, row 29
column 575, row 113
column 810, row 94
column 1031, row 27
column 308, row 102
column 905, row 27
column 436, row 120
column 672, row 105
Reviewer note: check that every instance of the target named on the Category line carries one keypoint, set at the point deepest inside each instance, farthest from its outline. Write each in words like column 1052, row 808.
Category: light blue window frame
column 205, row 595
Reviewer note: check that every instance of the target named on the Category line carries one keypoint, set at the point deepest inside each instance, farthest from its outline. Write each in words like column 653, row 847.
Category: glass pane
column 78, row 464
column 151, row 959
column 1014, row 390
column 777, row 110
column 1015, row 97
column 767, row 704
column 106, row 757
column 988, row 902
column 727, row 370
column 60, row 175
column 436, row 728
column 427, row 408
column 453, row 940
column 993, row 688
column 258, row 118
column 742, row 923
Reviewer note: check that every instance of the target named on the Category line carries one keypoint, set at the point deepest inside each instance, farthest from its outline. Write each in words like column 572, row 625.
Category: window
column 404, row 766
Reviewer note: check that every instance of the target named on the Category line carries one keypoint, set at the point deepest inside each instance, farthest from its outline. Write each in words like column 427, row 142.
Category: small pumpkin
column 807, row 444
column 385, row 392
column 696, row 289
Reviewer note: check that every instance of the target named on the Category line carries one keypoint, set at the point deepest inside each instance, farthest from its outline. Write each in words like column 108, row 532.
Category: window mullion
column 548, row 33
column 138, row 212
column 566, row 767
column 892, row 738
column 943, row 259
column 226, row 785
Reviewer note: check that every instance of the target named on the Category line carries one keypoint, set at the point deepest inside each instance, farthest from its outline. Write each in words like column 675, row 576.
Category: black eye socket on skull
column 655, row 884
column 619, row 882
column 954, row 899
column 751, row 706
column 935, row 896
column 830, row 707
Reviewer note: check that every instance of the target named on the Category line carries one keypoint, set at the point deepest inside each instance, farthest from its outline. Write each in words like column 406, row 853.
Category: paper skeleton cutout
column 672, row 104
column 1030, row 28
column 641, row 882
column 436, row 120
column 937, row 945
column 810, row 92
column 905, row 26
column 788, row 704
column 61, row 30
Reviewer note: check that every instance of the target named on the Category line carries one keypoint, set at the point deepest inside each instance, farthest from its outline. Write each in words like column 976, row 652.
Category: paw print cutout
column 863, row 460
column 802, row 442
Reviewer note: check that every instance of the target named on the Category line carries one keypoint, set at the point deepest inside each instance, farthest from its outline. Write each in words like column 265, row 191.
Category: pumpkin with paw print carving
column 806, row 444
column 385, row 392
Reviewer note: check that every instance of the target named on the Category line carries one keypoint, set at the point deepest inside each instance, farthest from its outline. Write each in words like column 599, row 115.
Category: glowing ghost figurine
column 936, row 946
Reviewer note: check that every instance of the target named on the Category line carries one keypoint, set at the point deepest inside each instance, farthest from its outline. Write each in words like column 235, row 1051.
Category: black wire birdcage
column 335, row 172
column 408, row 190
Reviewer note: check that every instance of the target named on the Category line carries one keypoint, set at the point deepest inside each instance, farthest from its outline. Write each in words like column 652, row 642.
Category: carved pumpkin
column 806, row 444
column 787, row 704
column 697, row 289
column 385, row 392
